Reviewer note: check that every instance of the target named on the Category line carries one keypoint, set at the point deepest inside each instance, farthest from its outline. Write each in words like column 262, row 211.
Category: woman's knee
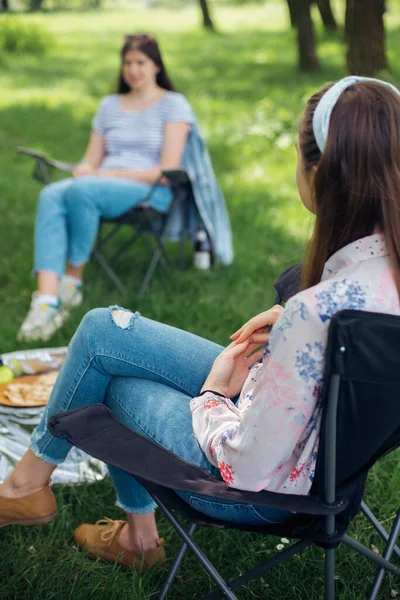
column 95, row 320
column 99, row 320
column 54, row 194
column 92, row 329
column 80, row 193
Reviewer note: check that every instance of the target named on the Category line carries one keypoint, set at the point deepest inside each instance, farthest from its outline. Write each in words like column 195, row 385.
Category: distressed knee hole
column 122, row 317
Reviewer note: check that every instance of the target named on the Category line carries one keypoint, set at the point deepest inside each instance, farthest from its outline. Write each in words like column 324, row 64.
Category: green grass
column 248, row 95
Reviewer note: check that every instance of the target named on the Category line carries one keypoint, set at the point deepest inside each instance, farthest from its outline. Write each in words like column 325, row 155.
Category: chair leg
column 330, row 552
column 330, row 574
column 271, row 563
column 375, row 558
column 184, row 237
column 206, row 564
column 104, row 264
column 130, row 242
column 150, row 271
column 160, row 238
column 175, row 567
column 387, row 555
column 182, row 262
column 381, row 530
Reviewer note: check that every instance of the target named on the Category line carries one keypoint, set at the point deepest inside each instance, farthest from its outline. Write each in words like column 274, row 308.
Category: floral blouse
column 269, row 439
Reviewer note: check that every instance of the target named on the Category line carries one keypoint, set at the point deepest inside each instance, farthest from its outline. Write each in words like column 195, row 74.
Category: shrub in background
column 19, row 37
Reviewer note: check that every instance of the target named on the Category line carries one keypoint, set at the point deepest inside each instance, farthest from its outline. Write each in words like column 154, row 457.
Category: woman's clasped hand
column 231, row 368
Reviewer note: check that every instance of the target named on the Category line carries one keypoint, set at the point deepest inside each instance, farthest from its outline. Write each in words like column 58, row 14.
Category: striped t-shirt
column 134, row 140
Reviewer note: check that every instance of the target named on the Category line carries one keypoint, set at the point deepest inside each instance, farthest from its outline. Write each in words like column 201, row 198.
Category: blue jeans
column 146, row 373
column 69, row 213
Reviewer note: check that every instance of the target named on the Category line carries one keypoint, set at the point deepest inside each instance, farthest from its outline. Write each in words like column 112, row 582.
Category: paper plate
column 29, row 402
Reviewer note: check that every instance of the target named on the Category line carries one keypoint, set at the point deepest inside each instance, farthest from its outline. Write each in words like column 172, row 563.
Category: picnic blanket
column 17, row 424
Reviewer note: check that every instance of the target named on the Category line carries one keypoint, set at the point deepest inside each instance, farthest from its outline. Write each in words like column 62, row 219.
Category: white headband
column 325, row 106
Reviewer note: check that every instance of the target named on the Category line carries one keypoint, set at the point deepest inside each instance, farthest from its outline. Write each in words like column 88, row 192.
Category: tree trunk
column 5, row 5
column 327, row 16
column 365, row 37
column 292, row 12
column 207, row 22
column 36, row 4
column 301, row 11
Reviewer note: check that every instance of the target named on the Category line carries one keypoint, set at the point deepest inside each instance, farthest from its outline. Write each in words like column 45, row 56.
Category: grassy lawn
column 245, row 89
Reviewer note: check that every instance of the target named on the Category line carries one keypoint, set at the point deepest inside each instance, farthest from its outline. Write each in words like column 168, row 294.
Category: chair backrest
column 363, row 358
column 288, row 284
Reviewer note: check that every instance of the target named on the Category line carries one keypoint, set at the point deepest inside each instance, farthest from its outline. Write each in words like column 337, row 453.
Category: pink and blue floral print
column 269, row 439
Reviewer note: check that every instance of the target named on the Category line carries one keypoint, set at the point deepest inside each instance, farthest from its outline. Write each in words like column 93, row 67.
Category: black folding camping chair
column 360, row 424
column 286, row 286
column 144, row 221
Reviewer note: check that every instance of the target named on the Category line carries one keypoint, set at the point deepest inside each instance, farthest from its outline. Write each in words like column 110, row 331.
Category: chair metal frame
column 140, row 219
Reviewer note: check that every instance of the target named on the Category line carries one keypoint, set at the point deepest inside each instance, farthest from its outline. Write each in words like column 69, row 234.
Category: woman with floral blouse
column 257, row 429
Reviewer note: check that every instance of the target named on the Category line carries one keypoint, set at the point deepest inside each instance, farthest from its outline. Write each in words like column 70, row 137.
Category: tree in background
column 327, row 16
column 292, row 16
column 365, row 37
column 4, row 5
column 300, row 15
column 207, row 21
column 35, row 5
column 325, row 9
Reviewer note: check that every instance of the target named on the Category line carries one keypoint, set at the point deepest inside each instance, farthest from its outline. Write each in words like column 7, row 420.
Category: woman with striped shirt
column 136, row 133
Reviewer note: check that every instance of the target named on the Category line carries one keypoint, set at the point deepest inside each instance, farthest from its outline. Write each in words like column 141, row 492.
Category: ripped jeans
column 146, row 373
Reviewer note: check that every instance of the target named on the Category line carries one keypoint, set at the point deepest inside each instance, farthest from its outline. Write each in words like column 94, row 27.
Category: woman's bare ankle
column 140, row 533
column 30, row 475
column 16, row 488
column 131, row 541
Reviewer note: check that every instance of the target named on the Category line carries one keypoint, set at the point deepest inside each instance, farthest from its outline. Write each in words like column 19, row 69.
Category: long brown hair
column 149, row 46
column 356, row 187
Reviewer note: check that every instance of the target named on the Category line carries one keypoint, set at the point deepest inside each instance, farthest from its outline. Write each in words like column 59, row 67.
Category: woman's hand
column 254, row 330
column 83, row 170
column 231, row 368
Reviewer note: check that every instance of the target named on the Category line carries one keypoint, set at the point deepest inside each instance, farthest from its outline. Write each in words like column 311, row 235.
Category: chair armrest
column 176, row 176
column 42, row 162
column 52, row 162
column 95, row 430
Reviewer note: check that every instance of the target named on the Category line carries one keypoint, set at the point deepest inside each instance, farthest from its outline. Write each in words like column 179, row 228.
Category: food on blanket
column 8, row 370
column 37, row 392
column 6, row 374
column 15, row 366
